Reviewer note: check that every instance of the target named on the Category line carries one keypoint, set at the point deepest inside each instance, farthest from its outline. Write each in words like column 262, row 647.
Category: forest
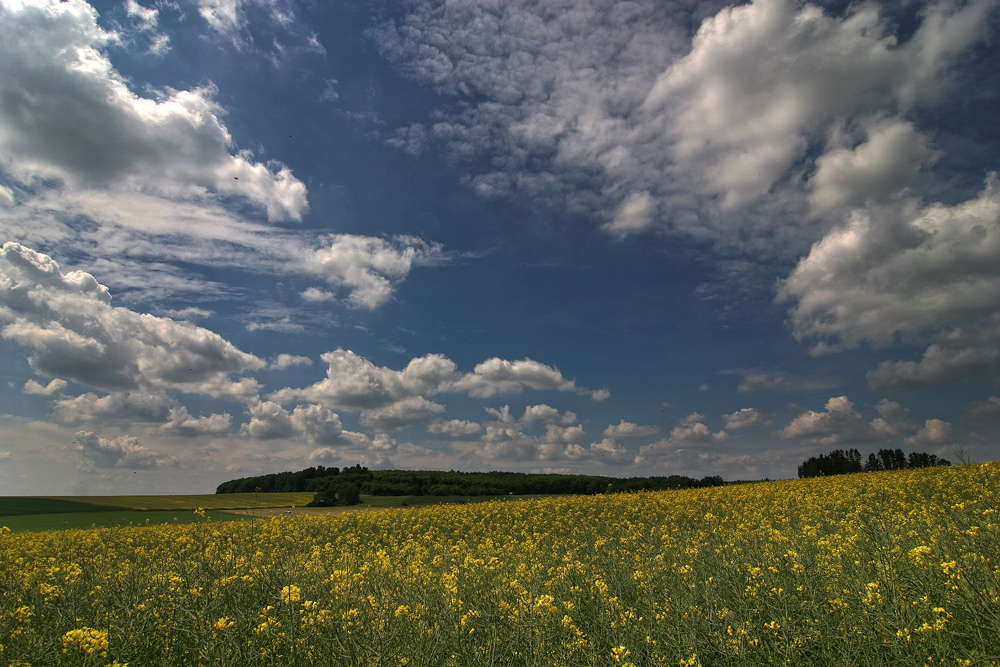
column 321, row 479
column 844, row 461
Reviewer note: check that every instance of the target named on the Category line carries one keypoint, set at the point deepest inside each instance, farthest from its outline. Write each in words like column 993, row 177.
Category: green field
column 16, row 505
column 22, row 514
column 108, row 519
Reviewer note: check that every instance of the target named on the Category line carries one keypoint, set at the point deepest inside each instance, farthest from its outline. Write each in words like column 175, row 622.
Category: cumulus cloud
column 984, row 413
column 956, row 355
column 634, row 215
column 496, row 376
column 121, row 452
column 744, row 418
column 689, row 438
column 367, row 266
column 456, row 428
column 764, row 79
column 71, row 330
column 518, row 439
column 68, row 114
column 283, row 361
column 268, row 421
column 322, row 426
column 841, row 424
column 625, row 429
column 611, row 107
column 355, row 383
column 182, row 423
column 901, row 271
column 129, row 406
column 406, row 412
column 887, row 162
column 55, row 387
column 323, row 455
column 933, row 432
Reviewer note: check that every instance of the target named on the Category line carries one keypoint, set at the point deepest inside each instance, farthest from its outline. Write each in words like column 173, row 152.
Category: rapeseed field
column 899, row 568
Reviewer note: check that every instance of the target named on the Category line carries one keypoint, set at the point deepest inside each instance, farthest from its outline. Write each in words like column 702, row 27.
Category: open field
column 897, row 568
column 56, row 513
column 9, row 504
column 112, row 519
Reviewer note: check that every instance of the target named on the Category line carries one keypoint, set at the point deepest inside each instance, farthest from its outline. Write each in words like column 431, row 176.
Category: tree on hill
column 839, row 462
column 345, row 494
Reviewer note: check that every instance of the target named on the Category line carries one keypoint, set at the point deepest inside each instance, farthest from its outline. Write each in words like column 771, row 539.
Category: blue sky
column 246, row 236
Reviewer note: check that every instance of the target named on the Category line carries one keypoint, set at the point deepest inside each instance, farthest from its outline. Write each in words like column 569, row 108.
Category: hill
column 452, row 483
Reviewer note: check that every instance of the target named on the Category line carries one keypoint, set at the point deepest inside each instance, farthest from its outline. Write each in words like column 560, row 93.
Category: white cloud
column 496, row 376
column 222, row 15
column 71, row 330
column 899, row 270
column 355, row 383
column 764, row 79
column 316, row 295
column 121, row 452
column 933, row 432
column 689, row 438
column 600, row 395
column 841, row 424
column 268, row 421
column 955, row 355
column 456, row 428
column 55, row 387
column 744, row 418
column 182, row 423
column 130, row 406
column 609, row 107
column 886, row 163
column 324, row 455
column 322, row 426
column 547, row 415
column 984, row 413
column 146, row 16
column 283, row 361
column 367, row 266
column 189, row 313
column 68, row 114
column 6, row 197
column 406, row 412
column 626, row 429
column 634, row 215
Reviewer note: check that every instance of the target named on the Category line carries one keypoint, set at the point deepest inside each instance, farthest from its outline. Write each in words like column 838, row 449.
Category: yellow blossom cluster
column 878, row 568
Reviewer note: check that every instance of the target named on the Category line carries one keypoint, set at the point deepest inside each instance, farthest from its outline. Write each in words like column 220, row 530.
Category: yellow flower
column 223, row 623
column 290, row 594
column 88, row 640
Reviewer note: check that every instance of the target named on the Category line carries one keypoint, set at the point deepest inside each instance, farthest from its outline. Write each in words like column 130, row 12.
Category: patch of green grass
column 208, row 501
column 108, row 519
column 19, row 506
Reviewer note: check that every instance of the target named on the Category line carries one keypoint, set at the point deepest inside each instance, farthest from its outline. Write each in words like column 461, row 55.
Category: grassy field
column 103, row 519
column 208, row 501
column 874, row 569
column 55, row 513
column 18, row 506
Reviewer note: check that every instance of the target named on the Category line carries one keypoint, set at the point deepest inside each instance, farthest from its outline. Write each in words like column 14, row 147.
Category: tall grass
column 876, row 569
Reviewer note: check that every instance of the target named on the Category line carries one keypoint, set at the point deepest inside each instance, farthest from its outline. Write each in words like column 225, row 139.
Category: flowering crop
column 899, row 568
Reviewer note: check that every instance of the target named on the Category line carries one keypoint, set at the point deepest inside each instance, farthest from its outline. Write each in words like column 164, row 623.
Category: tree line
column 844, row 461
column 328, row 480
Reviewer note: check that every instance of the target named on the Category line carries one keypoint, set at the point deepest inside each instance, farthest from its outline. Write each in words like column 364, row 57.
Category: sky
column 611, row 238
